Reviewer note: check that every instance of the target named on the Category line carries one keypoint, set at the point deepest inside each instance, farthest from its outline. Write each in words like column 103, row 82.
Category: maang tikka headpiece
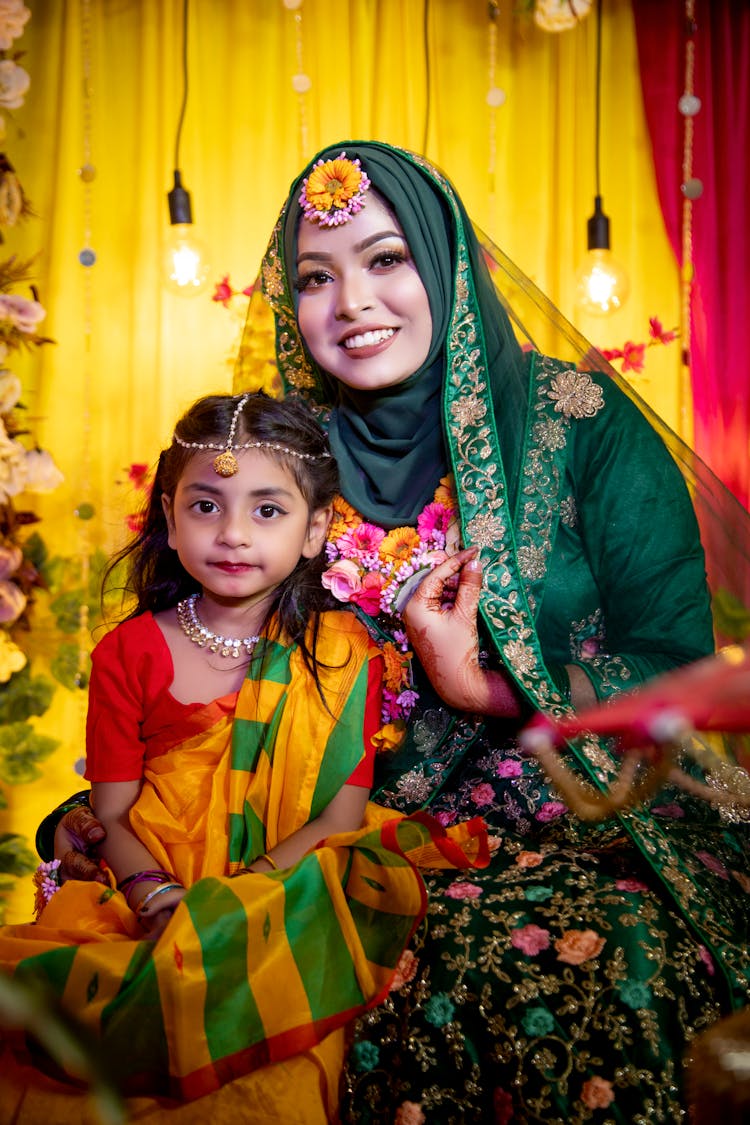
column 334, row 191
column 225, row 463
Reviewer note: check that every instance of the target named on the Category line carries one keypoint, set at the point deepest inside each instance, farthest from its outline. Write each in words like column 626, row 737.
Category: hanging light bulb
column 186, row 266
column 602, row 284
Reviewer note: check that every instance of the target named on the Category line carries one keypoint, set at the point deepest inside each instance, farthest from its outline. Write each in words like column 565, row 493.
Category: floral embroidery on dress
column 575, row 394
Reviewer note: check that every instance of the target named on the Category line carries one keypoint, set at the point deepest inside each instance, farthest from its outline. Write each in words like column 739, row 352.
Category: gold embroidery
column 575, row 394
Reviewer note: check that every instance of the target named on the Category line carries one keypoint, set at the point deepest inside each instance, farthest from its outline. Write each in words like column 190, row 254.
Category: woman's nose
column 353, row 295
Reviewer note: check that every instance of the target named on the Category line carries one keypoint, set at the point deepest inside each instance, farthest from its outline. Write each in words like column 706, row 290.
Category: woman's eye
column 311, row 281
column 387, row 259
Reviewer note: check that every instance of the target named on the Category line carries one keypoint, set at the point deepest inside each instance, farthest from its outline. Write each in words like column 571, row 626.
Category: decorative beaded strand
column 196, row 631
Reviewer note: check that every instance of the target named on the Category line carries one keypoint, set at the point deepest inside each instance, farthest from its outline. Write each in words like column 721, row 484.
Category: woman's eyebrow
column 323, row 256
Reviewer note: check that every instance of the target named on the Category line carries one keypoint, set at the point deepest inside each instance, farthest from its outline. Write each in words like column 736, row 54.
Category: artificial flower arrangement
column 378, row 570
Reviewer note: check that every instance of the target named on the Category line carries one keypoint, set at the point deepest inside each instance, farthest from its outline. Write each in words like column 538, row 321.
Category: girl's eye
column 205, row 506
column 268, row 511
column 311, row 280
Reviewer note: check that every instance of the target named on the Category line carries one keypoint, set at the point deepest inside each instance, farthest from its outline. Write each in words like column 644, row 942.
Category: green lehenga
column 560, row 980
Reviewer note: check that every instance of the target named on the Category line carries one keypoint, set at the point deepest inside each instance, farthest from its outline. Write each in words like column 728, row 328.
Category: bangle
column 141, row 908
column 128, row 885
column 267, row 858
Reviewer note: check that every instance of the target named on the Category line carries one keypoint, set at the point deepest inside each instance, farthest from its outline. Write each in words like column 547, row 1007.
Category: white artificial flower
column 42, row 474
column 13, row 18
column 14, row 82
column 22, row 313
column 12, row 467
column 10, row 389
column 560, row 15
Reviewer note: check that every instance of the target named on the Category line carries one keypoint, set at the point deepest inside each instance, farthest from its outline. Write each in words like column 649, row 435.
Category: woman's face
column 363, row 310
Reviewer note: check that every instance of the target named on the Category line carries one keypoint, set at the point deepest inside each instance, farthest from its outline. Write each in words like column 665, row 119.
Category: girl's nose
column 234, row 530
column 354, row 294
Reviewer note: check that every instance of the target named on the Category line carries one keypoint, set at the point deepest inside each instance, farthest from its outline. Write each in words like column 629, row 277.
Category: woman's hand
column 76, row 836
column 442, row 629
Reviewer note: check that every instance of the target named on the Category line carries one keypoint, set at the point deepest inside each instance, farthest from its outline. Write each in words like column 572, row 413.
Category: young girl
column 231, row 732
column 230, row 552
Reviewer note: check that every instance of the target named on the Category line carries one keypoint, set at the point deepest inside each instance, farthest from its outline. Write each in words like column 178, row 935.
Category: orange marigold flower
column 344, row 518
column 334, row 190
column 399, row 544
column 389, row 737
column 394, row 677
column 445, row 493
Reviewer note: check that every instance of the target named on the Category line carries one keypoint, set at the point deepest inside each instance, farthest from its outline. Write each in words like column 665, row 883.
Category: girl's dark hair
column 156, row 579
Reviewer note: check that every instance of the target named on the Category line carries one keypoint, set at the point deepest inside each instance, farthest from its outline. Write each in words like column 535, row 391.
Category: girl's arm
column 126, row 855
column 345, row 813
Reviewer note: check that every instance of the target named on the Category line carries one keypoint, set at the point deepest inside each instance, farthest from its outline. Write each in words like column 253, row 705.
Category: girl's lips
column 232, row 568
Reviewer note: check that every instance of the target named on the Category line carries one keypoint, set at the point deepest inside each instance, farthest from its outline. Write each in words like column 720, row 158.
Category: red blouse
column 133, row 716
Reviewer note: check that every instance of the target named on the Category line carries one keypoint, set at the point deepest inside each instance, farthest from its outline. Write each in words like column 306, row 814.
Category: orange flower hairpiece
column 334, row 191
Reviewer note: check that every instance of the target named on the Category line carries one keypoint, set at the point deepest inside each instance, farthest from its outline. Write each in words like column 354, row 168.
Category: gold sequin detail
column 225, row 464
column 576, row 395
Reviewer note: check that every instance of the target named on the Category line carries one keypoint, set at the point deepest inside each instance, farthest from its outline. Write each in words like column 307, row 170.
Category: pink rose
column 509, row 768
column 463, row 890
column 632, row 886
column 19, row 311
column 597, row 1093
column 530, row 939
column 577, row 946
column 550, row 810
column 12, row 602
column 368, row 597
column 342, row 579
column 483, row 794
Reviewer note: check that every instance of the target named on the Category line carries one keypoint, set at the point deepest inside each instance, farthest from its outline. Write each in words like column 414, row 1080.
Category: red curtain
column 720, row 305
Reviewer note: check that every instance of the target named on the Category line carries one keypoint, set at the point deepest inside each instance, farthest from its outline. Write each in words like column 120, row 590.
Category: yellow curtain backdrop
column 106, row 88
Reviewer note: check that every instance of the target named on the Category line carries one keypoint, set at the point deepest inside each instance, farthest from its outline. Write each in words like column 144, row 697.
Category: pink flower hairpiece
column 334, row 191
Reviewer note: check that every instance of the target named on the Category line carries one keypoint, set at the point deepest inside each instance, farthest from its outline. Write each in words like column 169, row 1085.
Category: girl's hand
column 442, row 630
column 155, row 921
column 78, row 834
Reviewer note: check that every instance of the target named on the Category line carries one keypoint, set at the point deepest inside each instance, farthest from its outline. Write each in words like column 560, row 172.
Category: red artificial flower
column 657, row 332
column 223, row 292
column 612, row 353
column 138, row 474
column 633, row 356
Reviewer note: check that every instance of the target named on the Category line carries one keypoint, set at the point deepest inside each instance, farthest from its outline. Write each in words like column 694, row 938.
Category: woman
column 570, row 974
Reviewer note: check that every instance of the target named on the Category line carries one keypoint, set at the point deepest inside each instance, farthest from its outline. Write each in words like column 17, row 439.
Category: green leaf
column 16, row 858
column 20, row 750
column 25, row 695
column 65, row 667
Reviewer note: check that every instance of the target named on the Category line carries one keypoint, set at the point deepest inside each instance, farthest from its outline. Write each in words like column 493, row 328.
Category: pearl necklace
column 196, row 631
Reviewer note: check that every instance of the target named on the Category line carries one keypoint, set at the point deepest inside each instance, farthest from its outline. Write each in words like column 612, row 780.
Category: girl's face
column 241, row 536
column 363, row 310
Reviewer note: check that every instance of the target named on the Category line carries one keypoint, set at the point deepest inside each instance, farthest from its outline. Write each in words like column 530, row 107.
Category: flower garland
column 378, row 570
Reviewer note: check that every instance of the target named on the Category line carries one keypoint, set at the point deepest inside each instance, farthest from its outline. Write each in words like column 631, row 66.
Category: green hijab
column 390, row 444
